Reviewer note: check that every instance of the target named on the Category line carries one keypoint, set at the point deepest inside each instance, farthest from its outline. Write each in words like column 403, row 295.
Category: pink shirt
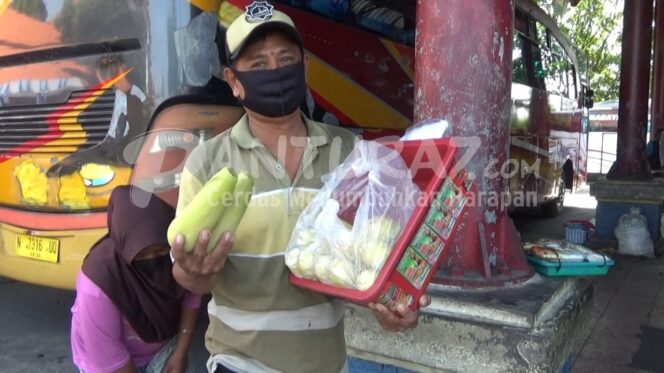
column 101, row 339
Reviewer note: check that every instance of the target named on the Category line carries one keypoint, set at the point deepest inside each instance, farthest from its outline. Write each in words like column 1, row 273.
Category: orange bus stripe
column 46, row 221
column 4, row 4
column 400, row 58
column 356, row 102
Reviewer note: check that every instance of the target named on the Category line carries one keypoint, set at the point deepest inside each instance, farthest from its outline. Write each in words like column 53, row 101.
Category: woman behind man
column 130, row 315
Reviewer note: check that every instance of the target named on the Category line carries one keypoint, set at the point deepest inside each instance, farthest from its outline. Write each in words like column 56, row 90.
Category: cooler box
column 560, row 268
column 419, row 249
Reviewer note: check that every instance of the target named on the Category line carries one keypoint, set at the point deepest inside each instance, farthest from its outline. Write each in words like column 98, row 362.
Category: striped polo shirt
column 258, row 320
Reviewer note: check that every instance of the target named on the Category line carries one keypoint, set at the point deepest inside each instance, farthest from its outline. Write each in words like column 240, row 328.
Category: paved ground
column 626, row 332
column 34, row 330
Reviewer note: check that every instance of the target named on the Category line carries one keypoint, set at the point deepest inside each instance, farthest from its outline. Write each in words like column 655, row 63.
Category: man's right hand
column 197, row 270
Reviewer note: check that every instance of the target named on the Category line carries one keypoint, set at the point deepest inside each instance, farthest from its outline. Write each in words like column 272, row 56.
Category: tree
column 595, row 28
column 32, row 8
column 99, row 20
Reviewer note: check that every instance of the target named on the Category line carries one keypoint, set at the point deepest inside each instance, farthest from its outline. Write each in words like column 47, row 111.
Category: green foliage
column 595, row 27
column 32, row 8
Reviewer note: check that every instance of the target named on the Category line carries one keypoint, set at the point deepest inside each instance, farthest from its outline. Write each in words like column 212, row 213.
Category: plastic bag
column 196, row 49
column 347, row 232
column 633, row 235
column 428, row 129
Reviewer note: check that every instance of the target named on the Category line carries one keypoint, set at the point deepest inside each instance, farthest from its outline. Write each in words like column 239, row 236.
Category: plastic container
column 418, row 250
column 576, row 231
column 562, row 268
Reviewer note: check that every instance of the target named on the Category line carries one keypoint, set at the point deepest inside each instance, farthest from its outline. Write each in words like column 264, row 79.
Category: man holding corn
column 259, row 322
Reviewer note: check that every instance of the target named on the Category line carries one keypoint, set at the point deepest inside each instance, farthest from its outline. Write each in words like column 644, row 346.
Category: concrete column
column 631, row 161
column 657, row 104
column 463, row 75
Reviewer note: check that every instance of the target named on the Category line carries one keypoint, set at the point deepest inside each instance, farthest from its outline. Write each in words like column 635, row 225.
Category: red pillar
column 634, row 87
column 657, row 104
column 463, row 67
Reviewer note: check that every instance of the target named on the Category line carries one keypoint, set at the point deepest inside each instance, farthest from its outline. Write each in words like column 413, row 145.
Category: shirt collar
column 241, row 133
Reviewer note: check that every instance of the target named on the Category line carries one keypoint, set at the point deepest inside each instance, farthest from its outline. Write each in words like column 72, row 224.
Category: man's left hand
column 399, row 319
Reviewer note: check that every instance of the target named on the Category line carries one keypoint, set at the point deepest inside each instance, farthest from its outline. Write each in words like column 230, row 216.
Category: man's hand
column 196, row 271
column 399, row 319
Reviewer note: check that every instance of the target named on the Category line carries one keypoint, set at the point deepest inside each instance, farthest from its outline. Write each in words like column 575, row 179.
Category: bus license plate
column 40, row 248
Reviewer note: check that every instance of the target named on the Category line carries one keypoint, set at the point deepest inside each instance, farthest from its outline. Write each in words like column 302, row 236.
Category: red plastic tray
column 431, row 162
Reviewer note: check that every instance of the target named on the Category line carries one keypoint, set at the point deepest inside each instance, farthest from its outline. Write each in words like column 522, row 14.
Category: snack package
column 345, row 234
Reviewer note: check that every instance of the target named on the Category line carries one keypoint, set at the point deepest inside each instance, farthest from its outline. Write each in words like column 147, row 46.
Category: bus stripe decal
column 4, row 4
column 400, row 58
column 54, row 120
column 360, row 105
column 46, row 221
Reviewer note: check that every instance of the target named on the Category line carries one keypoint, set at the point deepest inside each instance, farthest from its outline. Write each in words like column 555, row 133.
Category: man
column 259, row 322
column 652, row 150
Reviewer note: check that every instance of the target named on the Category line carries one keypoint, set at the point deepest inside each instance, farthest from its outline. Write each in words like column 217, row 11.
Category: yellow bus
column 81, row 83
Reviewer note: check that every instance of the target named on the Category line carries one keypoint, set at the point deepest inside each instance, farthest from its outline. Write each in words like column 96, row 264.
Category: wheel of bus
column 555, row 207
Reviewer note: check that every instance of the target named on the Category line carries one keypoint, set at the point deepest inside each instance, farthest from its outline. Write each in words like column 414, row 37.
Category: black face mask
column 273, row 93
column 148, row 266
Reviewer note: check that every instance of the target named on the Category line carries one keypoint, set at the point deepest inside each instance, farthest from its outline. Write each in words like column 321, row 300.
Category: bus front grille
column 77, row 124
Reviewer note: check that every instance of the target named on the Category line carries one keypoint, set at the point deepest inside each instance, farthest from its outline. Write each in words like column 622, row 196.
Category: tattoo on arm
column 208, row 113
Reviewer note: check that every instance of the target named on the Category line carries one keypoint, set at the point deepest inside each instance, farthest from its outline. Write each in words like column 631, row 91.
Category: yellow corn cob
column 205, row 210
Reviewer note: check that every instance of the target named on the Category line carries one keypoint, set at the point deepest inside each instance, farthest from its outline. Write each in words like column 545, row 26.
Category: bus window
column 553, row 63
column 567, row 70
column 571, row 82
column 518, row 65
column 393, row 20
column 562, row 66
column 78, row 90
column 532, row 63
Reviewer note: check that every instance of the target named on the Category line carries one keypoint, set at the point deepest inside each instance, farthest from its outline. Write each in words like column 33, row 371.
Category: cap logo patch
column 259, row 11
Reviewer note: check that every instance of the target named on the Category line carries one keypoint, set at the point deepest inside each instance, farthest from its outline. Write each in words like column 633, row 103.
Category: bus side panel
column 73, row 246
column 360, row 77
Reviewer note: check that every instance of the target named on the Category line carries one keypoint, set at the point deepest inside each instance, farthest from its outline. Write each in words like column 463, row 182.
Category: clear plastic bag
column 633, row 235
column 347, row 232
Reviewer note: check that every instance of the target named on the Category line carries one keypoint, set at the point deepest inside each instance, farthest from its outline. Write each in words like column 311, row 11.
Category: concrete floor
column 626, row 331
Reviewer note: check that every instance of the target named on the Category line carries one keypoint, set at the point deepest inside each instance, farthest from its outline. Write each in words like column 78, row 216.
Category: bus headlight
column 95, row 175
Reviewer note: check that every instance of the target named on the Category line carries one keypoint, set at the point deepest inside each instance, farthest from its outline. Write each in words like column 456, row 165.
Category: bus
column 81, row 83
column 96, row 94
column 361, row 75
